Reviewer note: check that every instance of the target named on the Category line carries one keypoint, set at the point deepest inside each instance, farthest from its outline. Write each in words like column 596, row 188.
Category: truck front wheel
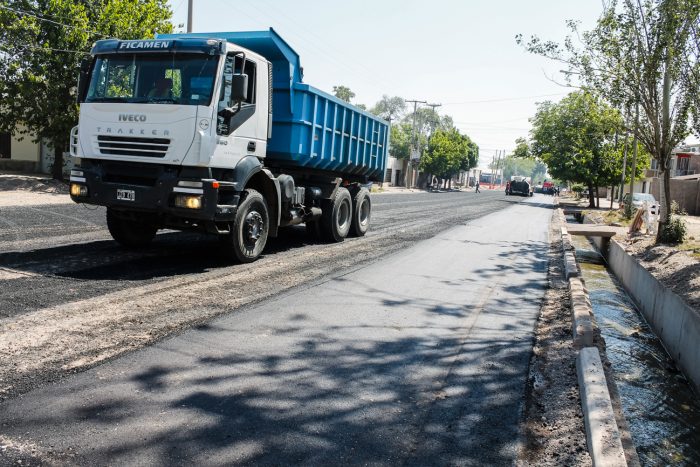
column 249, row 229
column 337, row 216
column 361, row 213
column 130, row 233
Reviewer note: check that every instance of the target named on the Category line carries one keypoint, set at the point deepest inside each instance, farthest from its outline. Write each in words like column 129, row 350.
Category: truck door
column 239, row 136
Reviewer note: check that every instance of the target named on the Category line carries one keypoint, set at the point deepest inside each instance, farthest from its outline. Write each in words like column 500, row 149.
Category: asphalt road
column 418, row 358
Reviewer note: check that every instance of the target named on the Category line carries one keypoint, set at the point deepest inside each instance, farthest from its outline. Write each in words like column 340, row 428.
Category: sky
column 461, row 54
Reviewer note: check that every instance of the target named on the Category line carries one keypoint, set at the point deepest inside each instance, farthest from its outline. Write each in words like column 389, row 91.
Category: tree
column 641, row 54
column 448, row 153
column 343, row 93
column 401, row 139
column 576, row 138
column 522, row 149
column 389, row 108
column 41, row 45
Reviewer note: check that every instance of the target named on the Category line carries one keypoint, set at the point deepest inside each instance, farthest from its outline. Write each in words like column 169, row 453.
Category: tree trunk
column 591, row 196
column 597, row 197
column 57, row 168
column 664, row 202
column 612, row 196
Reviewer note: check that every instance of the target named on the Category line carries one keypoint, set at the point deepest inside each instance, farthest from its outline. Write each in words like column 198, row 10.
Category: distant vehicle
column 548, row 188
column 519, row 186
column 638, row 200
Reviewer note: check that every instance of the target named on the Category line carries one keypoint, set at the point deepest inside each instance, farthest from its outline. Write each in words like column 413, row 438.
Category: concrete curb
column 602, row 434
column 581, row 314
column 566, row 242
column 570, row 265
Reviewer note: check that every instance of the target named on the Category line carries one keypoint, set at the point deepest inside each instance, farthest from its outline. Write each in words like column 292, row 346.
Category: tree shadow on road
column 431, row 382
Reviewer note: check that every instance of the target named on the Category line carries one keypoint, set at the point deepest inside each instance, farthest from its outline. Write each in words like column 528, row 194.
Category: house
column 684, row 169
column 20, row 153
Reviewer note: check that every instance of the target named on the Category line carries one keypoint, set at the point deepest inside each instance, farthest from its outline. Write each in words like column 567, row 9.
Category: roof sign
column 144, row 45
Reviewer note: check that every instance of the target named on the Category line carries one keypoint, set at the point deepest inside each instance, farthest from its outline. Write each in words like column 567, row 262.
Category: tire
column 361, row 213
column 249, row 229
column 337, row 216
column 130, row 233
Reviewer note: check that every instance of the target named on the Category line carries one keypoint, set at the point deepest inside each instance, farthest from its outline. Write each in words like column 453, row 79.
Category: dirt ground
column 31, row 190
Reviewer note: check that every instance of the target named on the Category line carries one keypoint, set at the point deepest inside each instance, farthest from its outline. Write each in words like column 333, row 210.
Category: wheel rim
column 252, row 229
column 364, row 212
column 344, row 215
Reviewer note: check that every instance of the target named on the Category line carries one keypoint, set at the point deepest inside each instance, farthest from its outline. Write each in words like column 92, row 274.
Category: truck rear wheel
column 129, row 233
column 249, row 229
column 337, row 216
column 361, row 213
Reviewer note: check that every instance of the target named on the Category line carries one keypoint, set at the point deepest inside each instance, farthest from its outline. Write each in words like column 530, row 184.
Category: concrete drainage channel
column 612, row 313
column 605, row 441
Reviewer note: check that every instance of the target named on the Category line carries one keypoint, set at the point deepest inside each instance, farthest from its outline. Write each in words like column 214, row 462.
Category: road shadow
column 428, row 382
column 170, row 254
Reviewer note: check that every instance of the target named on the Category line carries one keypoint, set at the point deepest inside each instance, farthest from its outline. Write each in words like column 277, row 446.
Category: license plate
column 126, row 195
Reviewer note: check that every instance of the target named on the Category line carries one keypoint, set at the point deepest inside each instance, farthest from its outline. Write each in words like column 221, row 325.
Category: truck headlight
column 188, row 201
column 78, row 190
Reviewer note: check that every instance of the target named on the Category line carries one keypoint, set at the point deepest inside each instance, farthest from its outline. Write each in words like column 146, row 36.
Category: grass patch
column 692, row 246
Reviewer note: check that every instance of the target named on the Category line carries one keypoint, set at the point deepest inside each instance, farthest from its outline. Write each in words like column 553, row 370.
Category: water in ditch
column 661, row 409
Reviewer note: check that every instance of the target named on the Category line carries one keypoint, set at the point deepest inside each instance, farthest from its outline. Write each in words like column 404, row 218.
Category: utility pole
column 432, row 130
column 189, row 15
column 409, row 179
column 432, row 106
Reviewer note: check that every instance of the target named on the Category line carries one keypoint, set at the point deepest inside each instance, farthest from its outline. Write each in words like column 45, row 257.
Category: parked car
column 638, row 200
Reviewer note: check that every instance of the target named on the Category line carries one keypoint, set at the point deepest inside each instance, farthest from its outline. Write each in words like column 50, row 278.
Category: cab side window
column 235, row 64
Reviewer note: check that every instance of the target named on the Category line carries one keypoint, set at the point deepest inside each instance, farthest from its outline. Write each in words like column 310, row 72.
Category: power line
column 505, row 99
column 26, row 13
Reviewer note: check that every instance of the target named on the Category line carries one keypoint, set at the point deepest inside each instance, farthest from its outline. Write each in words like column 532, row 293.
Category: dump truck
column 519, row 186
column 218, row 133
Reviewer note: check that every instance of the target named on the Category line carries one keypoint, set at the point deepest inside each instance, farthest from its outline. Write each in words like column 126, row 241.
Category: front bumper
column 152, row 190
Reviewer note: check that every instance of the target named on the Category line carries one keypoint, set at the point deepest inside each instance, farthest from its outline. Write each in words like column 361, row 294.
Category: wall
column 24, row 154
column 25, row 150
column 685, row 192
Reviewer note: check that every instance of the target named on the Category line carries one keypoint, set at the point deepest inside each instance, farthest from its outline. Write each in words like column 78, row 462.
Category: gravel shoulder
column 552, row 427
column 31, row 190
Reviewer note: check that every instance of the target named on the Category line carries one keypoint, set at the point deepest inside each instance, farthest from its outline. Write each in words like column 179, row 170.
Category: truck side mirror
column 239, row 88
column 83, row 78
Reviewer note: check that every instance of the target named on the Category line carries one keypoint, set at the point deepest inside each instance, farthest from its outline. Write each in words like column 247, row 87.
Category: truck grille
column 129, row 146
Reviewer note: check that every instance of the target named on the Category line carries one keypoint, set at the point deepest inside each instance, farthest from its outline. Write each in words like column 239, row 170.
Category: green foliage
column 578, row 189
column 400, row 146
column 343, row 93
column 522, row 149
column 389, row 108
column 39, row 59
column 578, row 139
column 645, row 53
column 448, row 153
column 675, row 231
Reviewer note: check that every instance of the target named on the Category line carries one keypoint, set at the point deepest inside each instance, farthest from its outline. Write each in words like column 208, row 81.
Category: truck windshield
column 186, row 79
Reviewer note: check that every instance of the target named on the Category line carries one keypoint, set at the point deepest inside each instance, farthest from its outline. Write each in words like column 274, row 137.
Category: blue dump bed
column 310, row 128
